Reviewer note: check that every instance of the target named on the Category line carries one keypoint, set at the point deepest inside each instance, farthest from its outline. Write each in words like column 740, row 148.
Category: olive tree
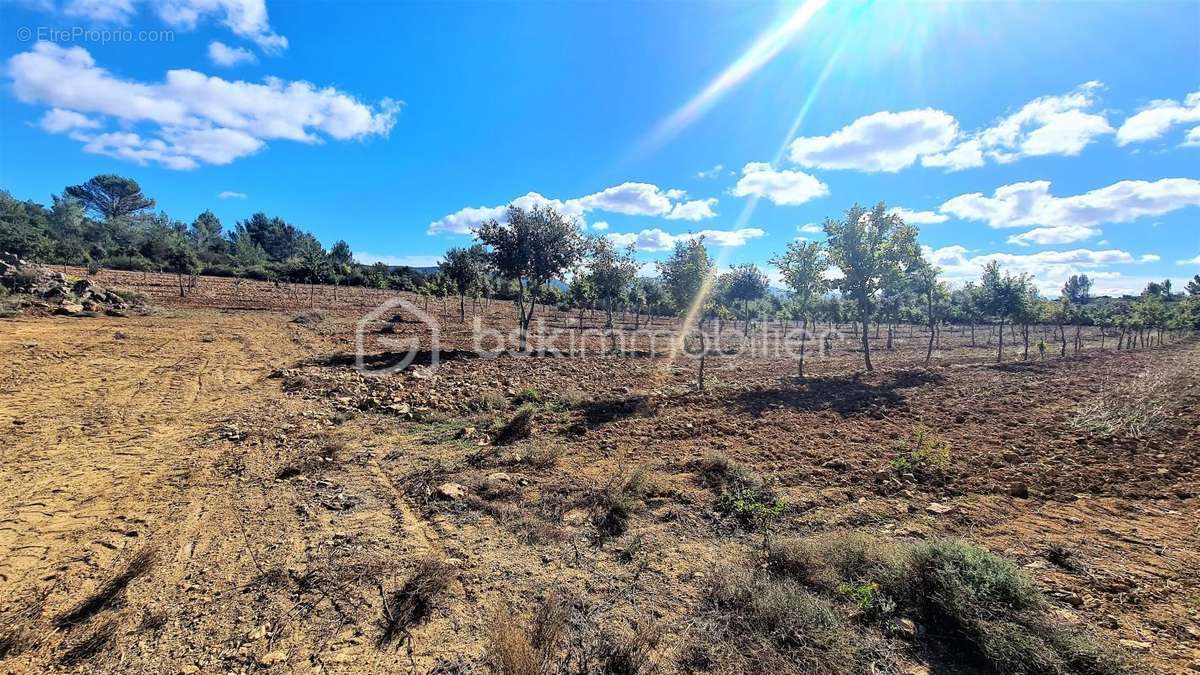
column 465, row 268
column 869, row 247
column 688, row 276
column 532, row 247
column 611, row 272
column 803, row 266
column 746, row 283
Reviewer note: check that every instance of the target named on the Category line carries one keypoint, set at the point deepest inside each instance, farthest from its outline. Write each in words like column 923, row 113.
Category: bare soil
column 214, row 488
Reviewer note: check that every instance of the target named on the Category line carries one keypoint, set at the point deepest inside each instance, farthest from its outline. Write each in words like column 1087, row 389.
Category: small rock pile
column 53, row 292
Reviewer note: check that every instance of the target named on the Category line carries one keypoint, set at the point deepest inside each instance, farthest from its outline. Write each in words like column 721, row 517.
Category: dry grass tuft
column 411, row 604
column 1133, row 407
column 90, row 646
column 109, row 593
column 516, row 429
column 528, row 645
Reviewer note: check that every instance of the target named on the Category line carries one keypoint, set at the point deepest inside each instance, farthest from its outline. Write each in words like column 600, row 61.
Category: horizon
column 1072, row 157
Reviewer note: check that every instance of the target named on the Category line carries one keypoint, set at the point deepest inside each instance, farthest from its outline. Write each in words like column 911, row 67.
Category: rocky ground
column 34, row 289
column 217, row 491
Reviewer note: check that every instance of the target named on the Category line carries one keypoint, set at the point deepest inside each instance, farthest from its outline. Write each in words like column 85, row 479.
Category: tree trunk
column 865, row 342
column 803, row 340
column 932, row 331
column 1000, row 349
column 180, row 275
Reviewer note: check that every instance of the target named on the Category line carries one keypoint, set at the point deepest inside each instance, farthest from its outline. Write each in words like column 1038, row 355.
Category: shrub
column 922, row 454
column 993, row 615
column 528, row 395
column 542, row 456
column 758, row 617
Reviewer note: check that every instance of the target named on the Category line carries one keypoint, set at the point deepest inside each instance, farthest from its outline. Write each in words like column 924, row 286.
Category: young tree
column 868, row 246
column 532, row 248
column 111, row 197
column 182, row 260
column 313, row 263
column 748, row 284
column 1002, row 298
column 464, row 268
column 611, row 273
column 582, row 294
column 688, row 277
column 1193, row 286
column 803, row 266
column 924, row 281
column 341, row 263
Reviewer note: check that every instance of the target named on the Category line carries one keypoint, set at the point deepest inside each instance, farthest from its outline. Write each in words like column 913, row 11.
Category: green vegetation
column 825, row 604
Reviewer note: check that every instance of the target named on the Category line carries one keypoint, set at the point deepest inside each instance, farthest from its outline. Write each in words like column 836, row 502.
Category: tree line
column 884, row 280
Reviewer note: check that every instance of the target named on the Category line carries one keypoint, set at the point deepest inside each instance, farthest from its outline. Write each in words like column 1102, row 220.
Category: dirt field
column 217, row 490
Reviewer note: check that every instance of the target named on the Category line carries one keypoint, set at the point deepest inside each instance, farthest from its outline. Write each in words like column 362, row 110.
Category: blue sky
column 1057, row 138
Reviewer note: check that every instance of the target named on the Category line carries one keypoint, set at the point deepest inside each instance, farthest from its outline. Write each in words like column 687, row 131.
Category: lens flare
column 765, row 48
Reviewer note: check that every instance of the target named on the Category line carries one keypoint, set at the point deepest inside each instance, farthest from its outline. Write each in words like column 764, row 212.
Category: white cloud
column 697, row 209
column 1158, row 118
column 230, row 194
column 781, row 187
column 1050, row 269
column 1030, row 203
column 245, row 18
column 1059, row 234
column 600, row 225
column 918, row 217
column 810, row 228
column 965, row 155
column 1150, row 258
column 192, row 118
column 638, row 199
column 635, row 199
column 883, row 141
column 466, row 220
column 1049, row 125
column 1192, row 139
column 655, row 239
column 365, row 258
column 711, row 173
column 101, row 11
column 1189, row 261
column 223, row 55
column 58, row 120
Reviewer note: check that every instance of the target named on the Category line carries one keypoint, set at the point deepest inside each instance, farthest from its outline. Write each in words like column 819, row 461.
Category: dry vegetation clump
column 614, row 503
column 17, row 633
column 1132, row 409
column 110, row 592
column 411, row 604
column 828, row 604
column 310, row 318
column 518, row 428
column 95, row 642
column 565, row 637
